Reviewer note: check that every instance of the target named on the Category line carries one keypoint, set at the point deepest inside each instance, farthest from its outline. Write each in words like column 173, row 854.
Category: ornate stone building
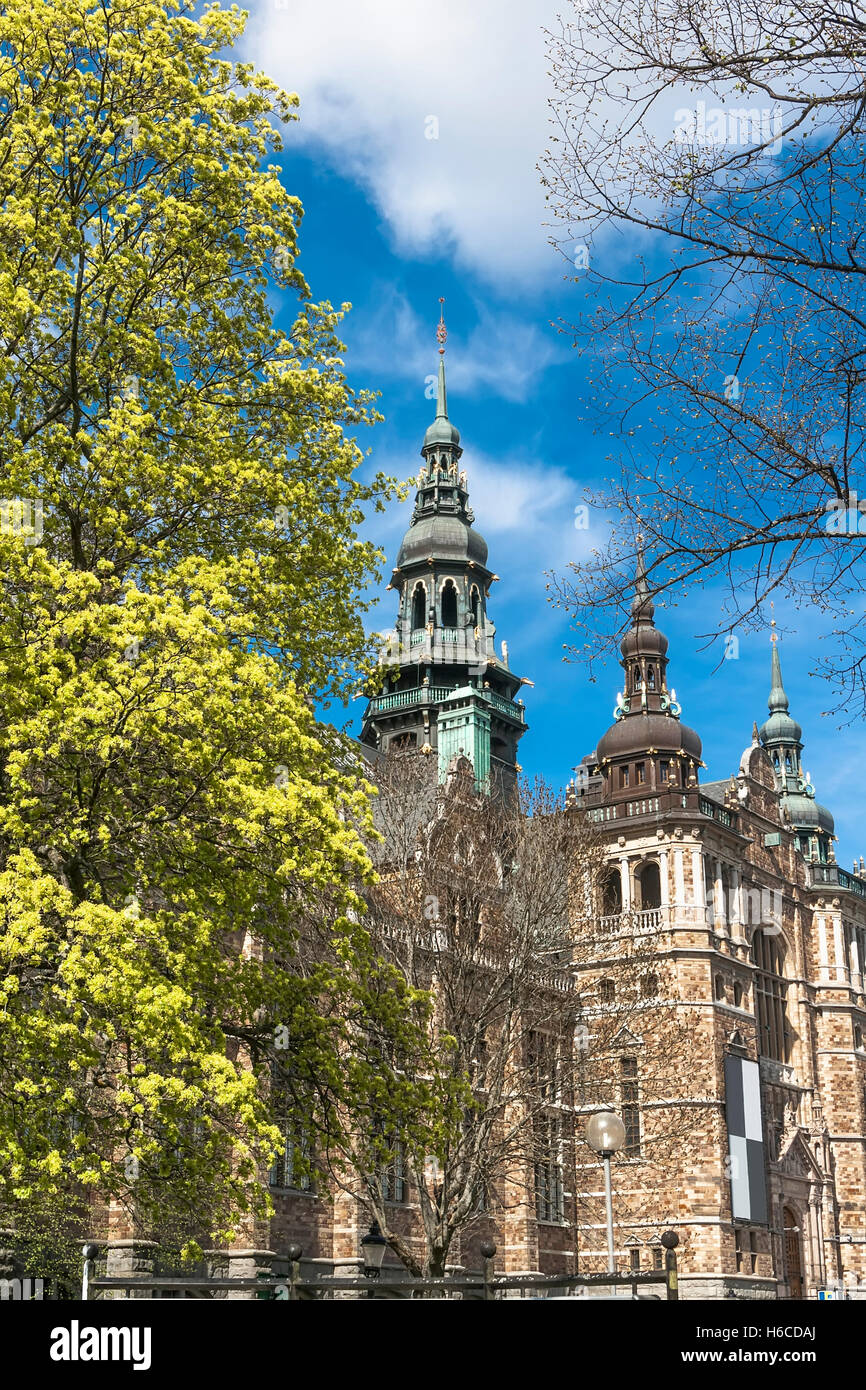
column 763, row 936
column 732, row 888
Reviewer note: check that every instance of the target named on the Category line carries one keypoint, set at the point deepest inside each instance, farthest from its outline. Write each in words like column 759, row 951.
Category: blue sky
column 394, row 219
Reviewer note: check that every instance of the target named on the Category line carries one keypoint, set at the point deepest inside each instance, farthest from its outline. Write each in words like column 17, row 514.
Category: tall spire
column 642, row 606
column 778, row 700
column 441, row 335
column 782, row 738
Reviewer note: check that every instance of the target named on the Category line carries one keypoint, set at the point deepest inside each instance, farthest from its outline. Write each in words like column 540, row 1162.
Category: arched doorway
column 793, row 1253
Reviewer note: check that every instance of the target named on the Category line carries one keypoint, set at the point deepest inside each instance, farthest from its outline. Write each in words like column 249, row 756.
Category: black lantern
column 373, row 1247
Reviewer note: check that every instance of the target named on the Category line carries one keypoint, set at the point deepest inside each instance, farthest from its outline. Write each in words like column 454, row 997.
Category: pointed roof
column 441, row 526
column 647, row 715
column 441, row 432
column 780, row 729
column 782, row 735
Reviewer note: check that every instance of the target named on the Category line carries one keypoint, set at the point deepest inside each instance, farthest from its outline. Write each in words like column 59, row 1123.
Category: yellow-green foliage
column 195, row 586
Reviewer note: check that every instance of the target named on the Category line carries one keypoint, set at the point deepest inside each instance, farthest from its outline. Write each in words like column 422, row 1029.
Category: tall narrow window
column 290, row 1167
column 543, row 1058
column 651, row 678
column 771, row 998
column 640, row 773
column 549, row 1194
column 391, row 1179
column 475, row 605
column 449, row 605
column 419, row 606
column 630, row 1106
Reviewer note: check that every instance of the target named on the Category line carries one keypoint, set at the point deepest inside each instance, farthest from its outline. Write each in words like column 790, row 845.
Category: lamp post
column 373, row 1247
column 605, row 1132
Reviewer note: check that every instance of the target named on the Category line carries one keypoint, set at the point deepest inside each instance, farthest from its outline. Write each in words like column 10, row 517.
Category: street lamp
column 373, row 1247
column 605, row 1132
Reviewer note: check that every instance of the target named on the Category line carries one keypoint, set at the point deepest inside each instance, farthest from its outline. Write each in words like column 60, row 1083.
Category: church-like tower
column 447, row 691
column 647, row 755
column 782, row 738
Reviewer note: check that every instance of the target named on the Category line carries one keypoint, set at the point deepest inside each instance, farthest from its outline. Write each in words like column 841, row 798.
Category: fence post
column 295, row 1253
column 488, row 1250
column 670, row 1241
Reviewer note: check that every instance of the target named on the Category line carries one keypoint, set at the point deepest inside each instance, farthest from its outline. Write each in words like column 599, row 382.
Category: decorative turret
column 447, row 692
column 647, row 749
column 782, row 737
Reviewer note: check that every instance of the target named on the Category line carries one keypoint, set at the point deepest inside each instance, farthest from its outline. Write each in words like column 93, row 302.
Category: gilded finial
column 441, row 330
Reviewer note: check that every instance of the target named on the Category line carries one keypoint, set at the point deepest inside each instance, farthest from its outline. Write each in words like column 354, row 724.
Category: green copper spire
column 780, row 731
column 782, row 737
column 442, row 434
column 778, row 701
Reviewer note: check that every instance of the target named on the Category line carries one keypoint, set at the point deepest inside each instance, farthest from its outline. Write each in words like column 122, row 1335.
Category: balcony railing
column 631, row 923
column 435, row 694
column 421, row 695
column 839, row 878
column 718, row 813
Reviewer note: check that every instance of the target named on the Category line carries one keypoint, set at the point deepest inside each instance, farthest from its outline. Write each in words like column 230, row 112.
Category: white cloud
column 503, row 355
column 371, row 74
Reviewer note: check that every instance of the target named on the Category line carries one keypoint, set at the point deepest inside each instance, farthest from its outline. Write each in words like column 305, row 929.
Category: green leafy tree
column 181, row 845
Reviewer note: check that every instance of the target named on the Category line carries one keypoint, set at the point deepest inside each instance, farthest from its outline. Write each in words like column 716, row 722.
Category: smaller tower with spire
column 647, row 750
column 782, row 737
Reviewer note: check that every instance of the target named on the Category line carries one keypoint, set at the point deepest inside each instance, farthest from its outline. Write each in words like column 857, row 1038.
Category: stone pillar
column 856, row 963
column 720, row 903
column 839, row 946
column 679, row 879
column 737, row 931
column 663, row 878
column 823, row 951
column 130, row 1259
column 698, row 896
column 625, row 882
column 248, row 1264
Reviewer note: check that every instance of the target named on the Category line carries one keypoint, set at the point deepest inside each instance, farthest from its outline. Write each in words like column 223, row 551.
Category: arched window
column 649, row 986
column 771, row 997
column 635, row 678
column 788, row 764
column 738, row 995
column 651, row 678
column 649, row 886
column 607, row 991
column 449, row 605
column 858, row 1036
column 475, row 606
column 720, row 989
column 611, row 894
column 419, row 606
